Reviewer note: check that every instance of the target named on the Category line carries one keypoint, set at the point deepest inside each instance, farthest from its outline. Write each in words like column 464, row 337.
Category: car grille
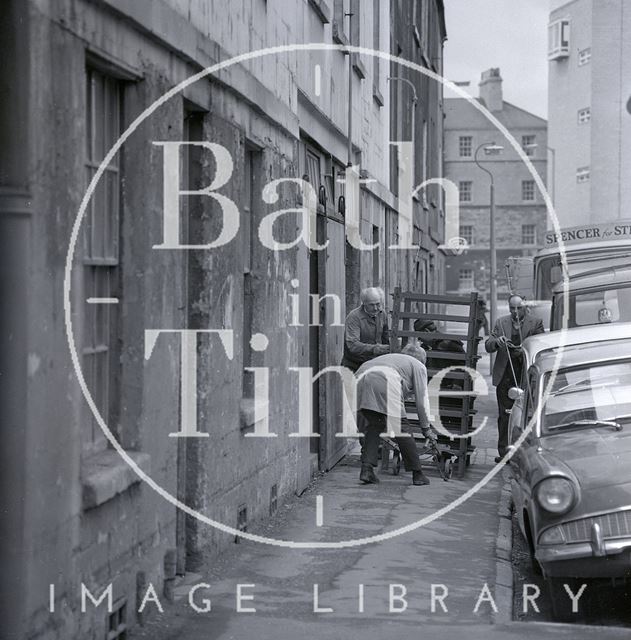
column 612, row 525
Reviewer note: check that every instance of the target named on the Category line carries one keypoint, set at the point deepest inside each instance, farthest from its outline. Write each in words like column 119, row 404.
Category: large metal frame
column 458, row 413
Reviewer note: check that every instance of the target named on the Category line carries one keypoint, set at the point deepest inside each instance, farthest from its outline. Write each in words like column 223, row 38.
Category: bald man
column 366, row 334
column 505, row 339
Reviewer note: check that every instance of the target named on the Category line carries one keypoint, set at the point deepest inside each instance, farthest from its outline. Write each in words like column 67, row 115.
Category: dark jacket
column 361, row 334
column 504, row 327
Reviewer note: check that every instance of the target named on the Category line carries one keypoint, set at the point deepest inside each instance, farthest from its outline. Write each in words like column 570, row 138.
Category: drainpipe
column 15, row 221
column 350, row 96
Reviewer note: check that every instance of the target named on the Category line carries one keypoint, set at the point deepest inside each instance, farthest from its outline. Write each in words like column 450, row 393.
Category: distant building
column 520, row 217
column 589, row 110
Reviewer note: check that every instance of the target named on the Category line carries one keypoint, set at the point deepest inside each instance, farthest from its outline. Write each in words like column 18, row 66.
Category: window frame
column 470, row 279
column 528, row 191
column 467, row 235
column 528, row 139
column 559, row 38
column 465, row 191
column 100, row 352
column 340, row 29
column 584, row 56
column 583, row 174
column 584, row 116
column 526, row 234
column 465, row 146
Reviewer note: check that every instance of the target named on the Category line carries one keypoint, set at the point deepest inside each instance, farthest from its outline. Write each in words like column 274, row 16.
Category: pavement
column 372, row 590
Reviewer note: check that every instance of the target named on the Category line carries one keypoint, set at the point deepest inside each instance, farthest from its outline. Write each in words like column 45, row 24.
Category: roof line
column 530, row 113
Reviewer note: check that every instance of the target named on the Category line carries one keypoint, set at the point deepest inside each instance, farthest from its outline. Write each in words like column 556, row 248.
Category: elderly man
column 366, row 330
column 406, row 375
column 505, row 339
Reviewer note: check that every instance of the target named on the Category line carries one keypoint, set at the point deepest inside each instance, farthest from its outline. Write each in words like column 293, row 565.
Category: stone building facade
column 144, row 313
column 520, row 216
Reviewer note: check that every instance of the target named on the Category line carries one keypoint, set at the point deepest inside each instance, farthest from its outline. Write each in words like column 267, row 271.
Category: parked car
column 571, row 481
column 600, row 296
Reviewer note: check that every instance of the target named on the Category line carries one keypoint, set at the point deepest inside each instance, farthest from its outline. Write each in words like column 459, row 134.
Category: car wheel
column 561, row 601
column 534, row 563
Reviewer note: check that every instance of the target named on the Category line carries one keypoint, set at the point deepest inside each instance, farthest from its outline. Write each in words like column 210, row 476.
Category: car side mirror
column 515, row 393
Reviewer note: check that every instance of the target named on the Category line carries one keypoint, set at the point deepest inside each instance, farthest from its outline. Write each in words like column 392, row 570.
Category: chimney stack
column 491, row 89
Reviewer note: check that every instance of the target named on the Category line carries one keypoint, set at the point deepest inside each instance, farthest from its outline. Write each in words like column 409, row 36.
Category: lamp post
column 414, row 100
column 491, row 148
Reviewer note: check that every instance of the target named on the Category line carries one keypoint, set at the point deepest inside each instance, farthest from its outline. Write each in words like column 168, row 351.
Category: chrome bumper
column 596, row 548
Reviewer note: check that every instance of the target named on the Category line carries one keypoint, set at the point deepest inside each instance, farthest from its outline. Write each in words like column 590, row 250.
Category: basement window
column 117, row 621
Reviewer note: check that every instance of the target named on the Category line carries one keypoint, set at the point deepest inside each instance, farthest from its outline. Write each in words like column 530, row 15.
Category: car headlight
column 556, row 494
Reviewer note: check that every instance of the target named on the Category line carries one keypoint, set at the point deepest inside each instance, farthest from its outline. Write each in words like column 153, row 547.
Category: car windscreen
column 581, row 396
column 548, row 271
column 597, row 307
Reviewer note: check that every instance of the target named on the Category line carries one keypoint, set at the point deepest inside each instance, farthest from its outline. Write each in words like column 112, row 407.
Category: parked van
column 587, row 248
column 600, row 296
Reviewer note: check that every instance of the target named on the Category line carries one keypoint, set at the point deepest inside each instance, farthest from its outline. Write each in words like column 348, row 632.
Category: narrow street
column 457, row 551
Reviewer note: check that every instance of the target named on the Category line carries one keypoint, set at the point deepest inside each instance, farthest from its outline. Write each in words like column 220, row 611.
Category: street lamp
column 490, row 148
column 414, row 99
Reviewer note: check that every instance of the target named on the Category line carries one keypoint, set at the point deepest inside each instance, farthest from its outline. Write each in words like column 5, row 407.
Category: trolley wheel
column 396, row 463
column 446, row 467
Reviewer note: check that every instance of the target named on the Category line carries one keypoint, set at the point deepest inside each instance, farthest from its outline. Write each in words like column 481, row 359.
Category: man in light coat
column 383, row 383
column 505, row 340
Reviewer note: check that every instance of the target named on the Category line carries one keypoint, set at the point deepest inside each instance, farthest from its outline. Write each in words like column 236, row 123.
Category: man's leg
column 409, row 453
column 362, row 427
column 504, row 403
column 371, row 424
column 407, row 445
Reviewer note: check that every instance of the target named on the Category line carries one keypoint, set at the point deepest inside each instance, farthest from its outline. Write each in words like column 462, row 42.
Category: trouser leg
column 370, row 424
column 504, row 403
column 407, row 446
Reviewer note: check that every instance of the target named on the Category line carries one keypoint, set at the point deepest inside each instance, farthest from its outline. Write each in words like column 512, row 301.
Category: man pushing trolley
column 383, row 385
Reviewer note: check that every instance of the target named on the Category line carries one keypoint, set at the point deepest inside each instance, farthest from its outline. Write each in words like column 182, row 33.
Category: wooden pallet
column 456, row 411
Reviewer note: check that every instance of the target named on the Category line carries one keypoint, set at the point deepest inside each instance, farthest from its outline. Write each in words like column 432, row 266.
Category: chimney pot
column 491, row 89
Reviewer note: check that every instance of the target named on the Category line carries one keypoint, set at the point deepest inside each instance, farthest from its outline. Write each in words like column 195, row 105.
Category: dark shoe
column 498, row 459
column 419, row 478
column 367, row 475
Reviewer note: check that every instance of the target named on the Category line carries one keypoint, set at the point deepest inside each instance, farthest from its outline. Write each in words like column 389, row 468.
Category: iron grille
column 612, row 525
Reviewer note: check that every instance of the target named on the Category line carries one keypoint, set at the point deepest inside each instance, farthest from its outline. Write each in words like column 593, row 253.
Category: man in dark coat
column 366, row 334
column 505, row 340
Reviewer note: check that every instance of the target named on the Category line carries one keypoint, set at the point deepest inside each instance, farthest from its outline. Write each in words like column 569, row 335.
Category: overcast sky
column 509, row 34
